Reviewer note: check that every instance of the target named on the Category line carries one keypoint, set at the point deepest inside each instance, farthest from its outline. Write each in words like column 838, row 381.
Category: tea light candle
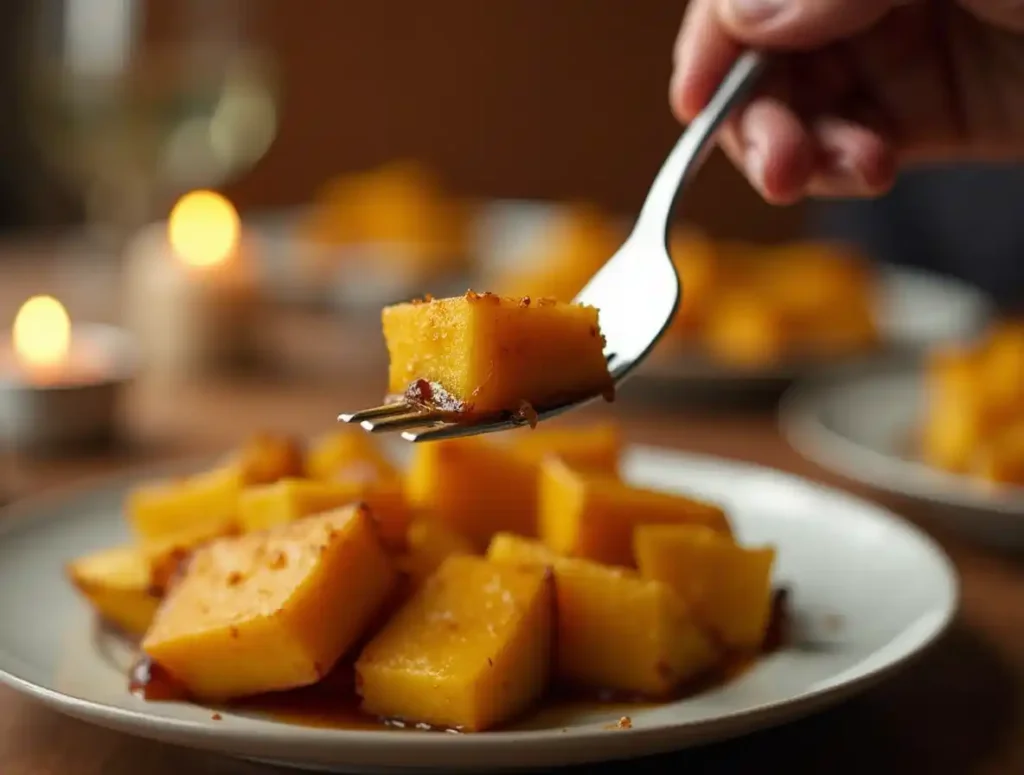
column 60, row 384
column 190, row 292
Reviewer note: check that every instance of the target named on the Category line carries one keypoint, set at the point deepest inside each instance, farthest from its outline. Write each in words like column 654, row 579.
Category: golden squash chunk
column 809, row 280
column 958, row 415
column 429, row 542
column 593, row 515
column 471, row 649
column 728, row 587
column 403, row 203
column 166, row 556
column 746, row 331
column 953, row 372
column 483, row 353
column 205, row 504
column 596, row 447
column 615, row 630
column 348, row 455
column 577, row 244
column 273, row 610
column 290, row 499
column 1003, row 366
column 1001, row 458
column 267, row 457
column 116, row 582
column 954, row 433
column 476, row 487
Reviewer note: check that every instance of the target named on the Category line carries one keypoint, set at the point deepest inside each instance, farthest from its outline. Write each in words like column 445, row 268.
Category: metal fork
column 636, row 293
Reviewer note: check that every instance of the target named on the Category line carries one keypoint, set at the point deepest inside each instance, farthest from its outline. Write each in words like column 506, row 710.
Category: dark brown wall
column 523, row 98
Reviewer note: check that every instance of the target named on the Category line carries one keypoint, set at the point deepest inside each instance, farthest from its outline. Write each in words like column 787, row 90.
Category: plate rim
column 801, row 425
column 228, row 738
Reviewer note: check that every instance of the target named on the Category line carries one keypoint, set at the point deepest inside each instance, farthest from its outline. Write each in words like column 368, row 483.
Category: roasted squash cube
column 576, row 245
column 596, row 447
column 470, row 650
column 348, row 455
column 483, row 353
column 728, row 587
column 267, row 457
column 593, row 515
column 1003, row 367
column 477, row 487
column 291, row 499
column 1001, row 459
column 205, row 504
column 511, row 547
column 389, row 506
column 272, row 610
column 958, row 413
column 954, row 432
column 288, row 500
column 746, row 331
column 429, row 542
column 116, row 582
column 615, row 630
column 808, row 281
column 166, row 556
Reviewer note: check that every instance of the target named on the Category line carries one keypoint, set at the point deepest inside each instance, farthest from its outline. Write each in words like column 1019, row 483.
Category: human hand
column 857, row 88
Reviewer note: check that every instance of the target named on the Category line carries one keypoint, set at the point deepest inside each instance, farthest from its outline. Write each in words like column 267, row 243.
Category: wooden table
column 954, row 711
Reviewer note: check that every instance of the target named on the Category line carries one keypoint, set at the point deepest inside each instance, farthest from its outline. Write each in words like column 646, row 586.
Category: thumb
column 799, row 24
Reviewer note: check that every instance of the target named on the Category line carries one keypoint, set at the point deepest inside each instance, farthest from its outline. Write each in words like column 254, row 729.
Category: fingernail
column 846, row 166
column 754, row 162
column 755, row 11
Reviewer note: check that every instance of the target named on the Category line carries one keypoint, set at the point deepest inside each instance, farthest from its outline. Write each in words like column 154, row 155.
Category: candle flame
column 203, row 229
column 42, row 333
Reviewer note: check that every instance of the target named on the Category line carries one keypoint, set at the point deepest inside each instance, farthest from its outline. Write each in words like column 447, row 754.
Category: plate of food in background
column 949, row 432
column 752, row 317
column 534, row 599
column 371, row 238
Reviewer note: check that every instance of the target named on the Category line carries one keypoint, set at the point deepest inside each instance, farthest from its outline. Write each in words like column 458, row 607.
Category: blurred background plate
column 915, row 311
column 866, row 429
column 499, row 232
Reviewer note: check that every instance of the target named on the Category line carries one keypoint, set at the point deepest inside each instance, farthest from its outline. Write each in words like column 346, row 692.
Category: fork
column 636, row 293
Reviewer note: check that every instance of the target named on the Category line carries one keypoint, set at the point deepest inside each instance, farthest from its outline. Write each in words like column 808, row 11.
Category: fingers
column 798, row 24
column 772, row 148
column 785, row 160
column 703, row 54
column 1002, row 13
column 715, row 31
column 853, row 160
column 783, row 157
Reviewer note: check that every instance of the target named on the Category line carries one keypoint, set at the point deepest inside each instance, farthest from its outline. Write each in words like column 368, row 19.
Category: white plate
column 864, row 428
column 869, row 590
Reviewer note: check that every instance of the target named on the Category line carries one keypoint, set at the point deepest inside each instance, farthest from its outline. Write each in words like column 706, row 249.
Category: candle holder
column 190, row 291
column 71, row 407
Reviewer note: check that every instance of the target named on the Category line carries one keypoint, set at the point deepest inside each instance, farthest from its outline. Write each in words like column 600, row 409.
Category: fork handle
column 689, row 153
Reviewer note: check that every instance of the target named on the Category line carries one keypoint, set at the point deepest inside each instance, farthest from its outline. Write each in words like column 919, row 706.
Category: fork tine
column 399, row 407
column 457, row 430
column 398, row 422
